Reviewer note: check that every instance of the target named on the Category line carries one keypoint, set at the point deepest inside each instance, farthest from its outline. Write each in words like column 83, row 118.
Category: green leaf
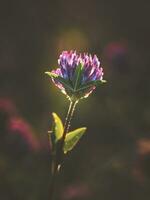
column 91, row 84
column 58, row 127
column 51, row 74
column 61, row 80
column 72, row 138
column 103, row 81
column 64, row 82
column 77, row 76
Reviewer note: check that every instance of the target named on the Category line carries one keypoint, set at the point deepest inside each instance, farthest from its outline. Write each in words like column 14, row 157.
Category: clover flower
column 78, row 74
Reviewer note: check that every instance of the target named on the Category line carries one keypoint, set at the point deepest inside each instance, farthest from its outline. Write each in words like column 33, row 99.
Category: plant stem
column 57, row 159
column 69, row 117
column 52, row 186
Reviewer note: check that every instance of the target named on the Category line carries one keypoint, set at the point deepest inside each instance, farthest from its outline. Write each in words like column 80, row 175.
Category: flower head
column 78, row 74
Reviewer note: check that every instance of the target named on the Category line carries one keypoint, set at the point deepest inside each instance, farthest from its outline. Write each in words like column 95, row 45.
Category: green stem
column 60, row 153
column 52, row 186
column 57, row 159
column 69, row 117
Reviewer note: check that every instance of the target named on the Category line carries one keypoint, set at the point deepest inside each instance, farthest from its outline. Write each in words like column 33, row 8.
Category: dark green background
column 108, row 163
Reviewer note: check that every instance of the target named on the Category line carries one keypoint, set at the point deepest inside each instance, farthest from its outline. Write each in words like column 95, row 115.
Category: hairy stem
column 69, row 117
column 58, row 157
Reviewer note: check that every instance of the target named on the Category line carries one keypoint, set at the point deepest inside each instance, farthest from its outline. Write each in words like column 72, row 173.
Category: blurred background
column 112, row 161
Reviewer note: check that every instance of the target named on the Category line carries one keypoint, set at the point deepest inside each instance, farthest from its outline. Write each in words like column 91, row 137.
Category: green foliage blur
column 112, row 160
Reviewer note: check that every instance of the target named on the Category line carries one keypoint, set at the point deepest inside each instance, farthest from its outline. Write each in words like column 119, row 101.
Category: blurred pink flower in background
column 143, row 146
column 116, row 50
column 116, row 55
column 141, row 168
column 7, row 106
column 76, row 191
column 14, row 129
column 23, row 129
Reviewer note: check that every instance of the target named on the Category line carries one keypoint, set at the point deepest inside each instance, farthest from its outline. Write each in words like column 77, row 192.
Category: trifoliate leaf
column 72, row 138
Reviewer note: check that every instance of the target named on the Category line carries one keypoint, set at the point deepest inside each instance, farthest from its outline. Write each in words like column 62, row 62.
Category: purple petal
column 68, row 61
